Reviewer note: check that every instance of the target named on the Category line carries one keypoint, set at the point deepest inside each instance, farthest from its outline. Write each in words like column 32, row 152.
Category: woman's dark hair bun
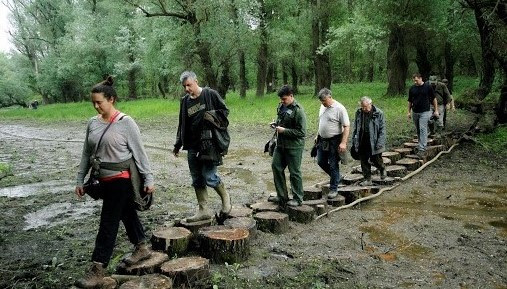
column 108, row 80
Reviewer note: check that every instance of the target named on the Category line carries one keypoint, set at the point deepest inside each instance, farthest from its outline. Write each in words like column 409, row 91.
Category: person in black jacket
column 201, row 127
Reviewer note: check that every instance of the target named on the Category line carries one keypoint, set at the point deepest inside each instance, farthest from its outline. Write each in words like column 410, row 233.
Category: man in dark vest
column 198, row 110
column 443, row 98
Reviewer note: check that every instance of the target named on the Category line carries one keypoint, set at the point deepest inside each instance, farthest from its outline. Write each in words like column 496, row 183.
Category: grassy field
column 249, row 111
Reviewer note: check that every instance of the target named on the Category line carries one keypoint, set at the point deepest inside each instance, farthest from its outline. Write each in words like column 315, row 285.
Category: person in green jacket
column 291, row 130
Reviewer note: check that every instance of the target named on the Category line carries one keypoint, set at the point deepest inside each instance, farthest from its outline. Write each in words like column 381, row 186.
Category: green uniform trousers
column 291, row 158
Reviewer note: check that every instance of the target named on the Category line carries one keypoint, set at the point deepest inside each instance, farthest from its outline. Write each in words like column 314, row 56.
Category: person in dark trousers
column 443, row 97
column 369, row 138
column 119, row 142
column 291, row 129
column 205, row 149
column 450, row 105
column 420, row 97
column 332, row 137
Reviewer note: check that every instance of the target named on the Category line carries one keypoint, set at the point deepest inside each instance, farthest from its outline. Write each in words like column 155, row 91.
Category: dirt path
column 444, row 228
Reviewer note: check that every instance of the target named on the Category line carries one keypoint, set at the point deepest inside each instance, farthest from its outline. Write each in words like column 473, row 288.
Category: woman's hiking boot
column 93, row 277
column 204, row 212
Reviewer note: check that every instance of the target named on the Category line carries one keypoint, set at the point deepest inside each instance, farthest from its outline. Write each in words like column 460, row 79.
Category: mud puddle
column 59, row 214
column 49, row 187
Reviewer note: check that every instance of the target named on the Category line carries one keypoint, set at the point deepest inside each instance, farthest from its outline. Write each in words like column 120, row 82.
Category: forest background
column 63, row 47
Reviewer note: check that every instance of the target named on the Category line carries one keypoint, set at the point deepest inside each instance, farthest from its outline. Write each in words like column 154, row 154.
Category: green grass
column 496, row 141
column 249, row 111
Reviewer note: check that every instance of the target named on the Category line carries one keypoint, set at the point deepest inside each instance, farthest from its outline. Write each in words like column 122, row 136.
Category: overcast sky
column 5, row 45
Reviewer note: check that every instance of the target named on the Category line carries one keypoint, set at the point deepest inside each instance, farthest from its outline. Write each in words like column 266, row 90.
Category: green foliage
column 495, row 141
column 13, row 90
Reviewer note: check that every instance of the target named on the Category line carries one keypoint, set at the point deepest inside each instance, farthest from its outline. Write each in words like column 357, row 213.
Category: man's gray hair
column 366, row 100
column 186, row 75
column 323, row 93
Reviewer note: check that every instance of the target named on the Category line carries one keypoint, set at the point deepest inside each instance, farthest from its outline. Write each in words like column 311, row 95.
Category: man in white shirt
column 334, row 126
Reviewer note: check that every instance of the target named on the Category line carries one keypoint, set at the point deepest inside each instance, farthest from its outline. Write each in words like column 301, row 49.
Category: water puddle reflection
column 55, row 186
column 61, row 213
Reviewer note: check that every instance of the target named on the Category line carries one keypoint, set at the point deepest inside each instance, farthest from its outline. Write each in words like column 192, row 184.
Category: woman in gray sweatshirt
column 119, row 144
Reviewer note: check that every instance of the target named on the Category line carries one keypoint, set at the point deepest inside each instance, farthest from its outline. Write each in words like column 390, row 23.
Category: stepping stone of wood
column 148, row 266
column 320, row 209
column 387, row 161
column 325, row 189
column 195, row 226
column 315, row 203
column 107, row 283
column 410, row 145
column 237, row 212
column 272, row 222
column 312, row 193
column 432, row 151
column 320, row 184
column 301, row 214
column 187, row 272
column 243, row 222
column 415, row 157
column 349, row 179
column 222, row 244
column 172, row 240
column 429, row 142
column 336, row 202
column 393, row 156
column 403, row 151
column 155, row 281
column 264, row 206
column 352, row 193
column 388, row 181
column 396, row 171
column 359, row 170
column 410, row 164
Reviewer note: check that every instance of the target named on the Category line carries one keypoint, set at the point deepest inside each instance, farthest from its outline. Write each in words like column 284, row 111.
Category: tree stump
column 349, row 179
column 237, row 212
column 148, row 266
column 302, row 214
column 172, row 240
column 352, row 193
column 393, row 156
column 410, row 145
column 221, row 244
column 432, row 151
column 386, row 161
column 403, row 151
column 152, row 281
column 429, row 142
column 396, row 171
column 187, row 272
column 312, row 193
column 388, row 181
column 108, row 283
column 195, row 226
column 320, row 184
column 264, row 206
column 412, row 156
column 325, row 189
column 243, row 222
column 272, row 222
column 359, row 170
column 315, row 203
column 336, row 202
column 320, row 209
column 410, row 164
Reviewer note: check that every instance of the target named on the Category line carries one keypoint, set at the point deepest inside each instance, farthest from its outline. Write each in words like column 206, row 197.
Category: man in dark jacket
column 369, row 138
column 202, row 110
column 291, row 129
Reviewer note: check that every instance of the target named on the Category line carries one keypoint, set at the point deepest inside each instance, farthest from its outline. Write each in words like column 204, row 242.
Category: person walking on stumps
column 291, row 129
column 334, row 128
column 443, row 97
column 369, row 139
column 420, row 97
column 113, row 149
column 201, row 127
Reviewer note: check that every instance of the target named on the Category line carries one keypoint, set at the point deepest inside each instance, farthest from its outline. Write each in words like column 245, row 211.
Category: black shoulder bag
column 92, row 186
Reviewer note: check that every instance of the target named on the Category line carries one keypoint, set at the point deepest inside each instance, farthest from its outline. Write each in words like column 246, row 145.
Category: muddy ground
column 444, row 228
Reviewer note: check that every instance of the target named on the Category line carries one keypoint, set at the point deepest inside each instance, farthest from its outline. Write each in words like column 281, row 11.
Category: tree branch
column 157, row 14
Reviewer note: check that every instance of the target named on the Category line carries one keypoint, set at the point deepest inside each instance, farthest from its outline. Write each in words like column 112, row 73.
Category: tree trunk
column 397, row 62
column 488, row 60
column 501, row 108
column 450, row 60
column 321, row 61
column 294, row 77
column 370, row 75
column 423, row 64
column 270, row 78
column 225, row 79
column 131, row 79
column 262, row 56
column 243, row 83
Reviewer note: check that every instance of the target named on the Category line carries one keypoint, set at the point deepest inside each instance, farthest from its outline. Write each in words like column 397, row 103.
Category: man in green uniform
column 291, row 130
